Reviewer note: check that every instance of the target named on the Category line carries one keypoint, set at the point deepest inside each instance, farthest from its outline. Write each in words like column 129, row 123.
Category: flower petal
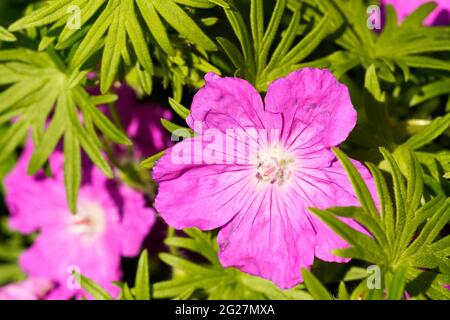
column 30, row 208
column 56, row 253
column 312, row 98
column 136, row 222
column 202, row 196
column 269, row 238
column 226, row 103
column 339, row 192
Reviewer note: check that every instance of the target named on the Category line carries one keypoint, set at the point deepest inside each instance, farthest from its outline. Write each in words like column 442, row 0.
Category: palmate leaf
column 251, row 56
column 209, row 279
column 111, row 24
column 52, row 106
column 406, row 242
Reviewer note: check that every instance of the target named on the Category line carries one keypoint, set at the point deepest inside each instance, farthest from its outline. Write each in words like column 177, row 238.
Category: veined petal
column 226, row 103
column 203, row 196
column 312, row 98
column 269, row 238
column 337, row 191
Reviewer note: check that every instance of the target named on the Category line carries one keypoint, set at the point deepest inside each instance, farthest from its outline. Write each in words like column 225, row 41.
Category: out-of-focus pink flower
column 29, row 289
column 141, row 120
column 112, row 221
column 257, row 188
column 440, row 16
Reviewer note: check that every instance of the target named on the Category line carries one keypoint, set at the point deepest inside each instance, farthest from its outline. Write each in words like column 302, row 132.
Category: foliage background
column 399, row 80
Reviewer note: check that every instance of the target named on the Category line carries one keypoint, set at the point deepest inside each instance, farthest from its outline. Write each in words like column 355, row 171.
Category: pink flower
column 260, row 199
column 112, row 221
column 141, row 121
column 440, row 16
column 29, row 289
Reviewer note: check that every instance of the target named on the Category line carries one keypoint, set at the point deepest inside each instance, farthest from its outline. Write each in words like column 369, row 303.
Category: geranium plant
column 224, row 149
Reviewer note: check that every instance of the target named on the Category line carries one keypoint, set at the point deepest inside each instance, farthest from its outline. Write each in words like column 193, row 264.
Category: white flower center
column 274, row 165
column 89, row 221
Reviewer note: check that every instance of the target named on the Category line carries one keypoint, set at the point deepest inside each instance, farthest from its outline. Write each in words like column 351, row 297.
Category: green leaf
column 95, row 34
column 257, row 22
column 51, row 137
column 100, row 120
column 88, row 11
column 150, row 162
column 268, row 288
column 434, row 130
column 48, row 14
column 72, row 168
column 362, row 192
column 432, row 228
column 308, row 44
column 415, row 184
column 194, row 245
column 431, row 90
column 179, row 108
column 114, row 44
column 418, row 15
column 181, row 22
column 315, row 288
column 5, row 35
column 221, row 3
column 240, row 29
column 138, row 40
column 187, row 266
column 387, row 210
column 142, row 283
column 11, row 139
column 173, row 128
column 342, row 291
column 97, row 292
column 425, row 212
column 364, row 246
column 155, row 25
column 17, row 92
column 270, row 33
column 372, row 84
column 425, row 63
column 89, row 145
column 233, row 53
column 373, row 225
column 175, row 287
column 399, row 189
column 286, row 42
column 396, row 288
column 126, row 293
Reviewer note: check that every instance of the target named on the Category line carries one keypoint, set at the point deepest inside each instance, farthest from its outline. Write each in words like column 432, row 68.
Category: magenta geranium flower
column 29, row 289
column 266, row 164
column 112, row 221
column 440, row 16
